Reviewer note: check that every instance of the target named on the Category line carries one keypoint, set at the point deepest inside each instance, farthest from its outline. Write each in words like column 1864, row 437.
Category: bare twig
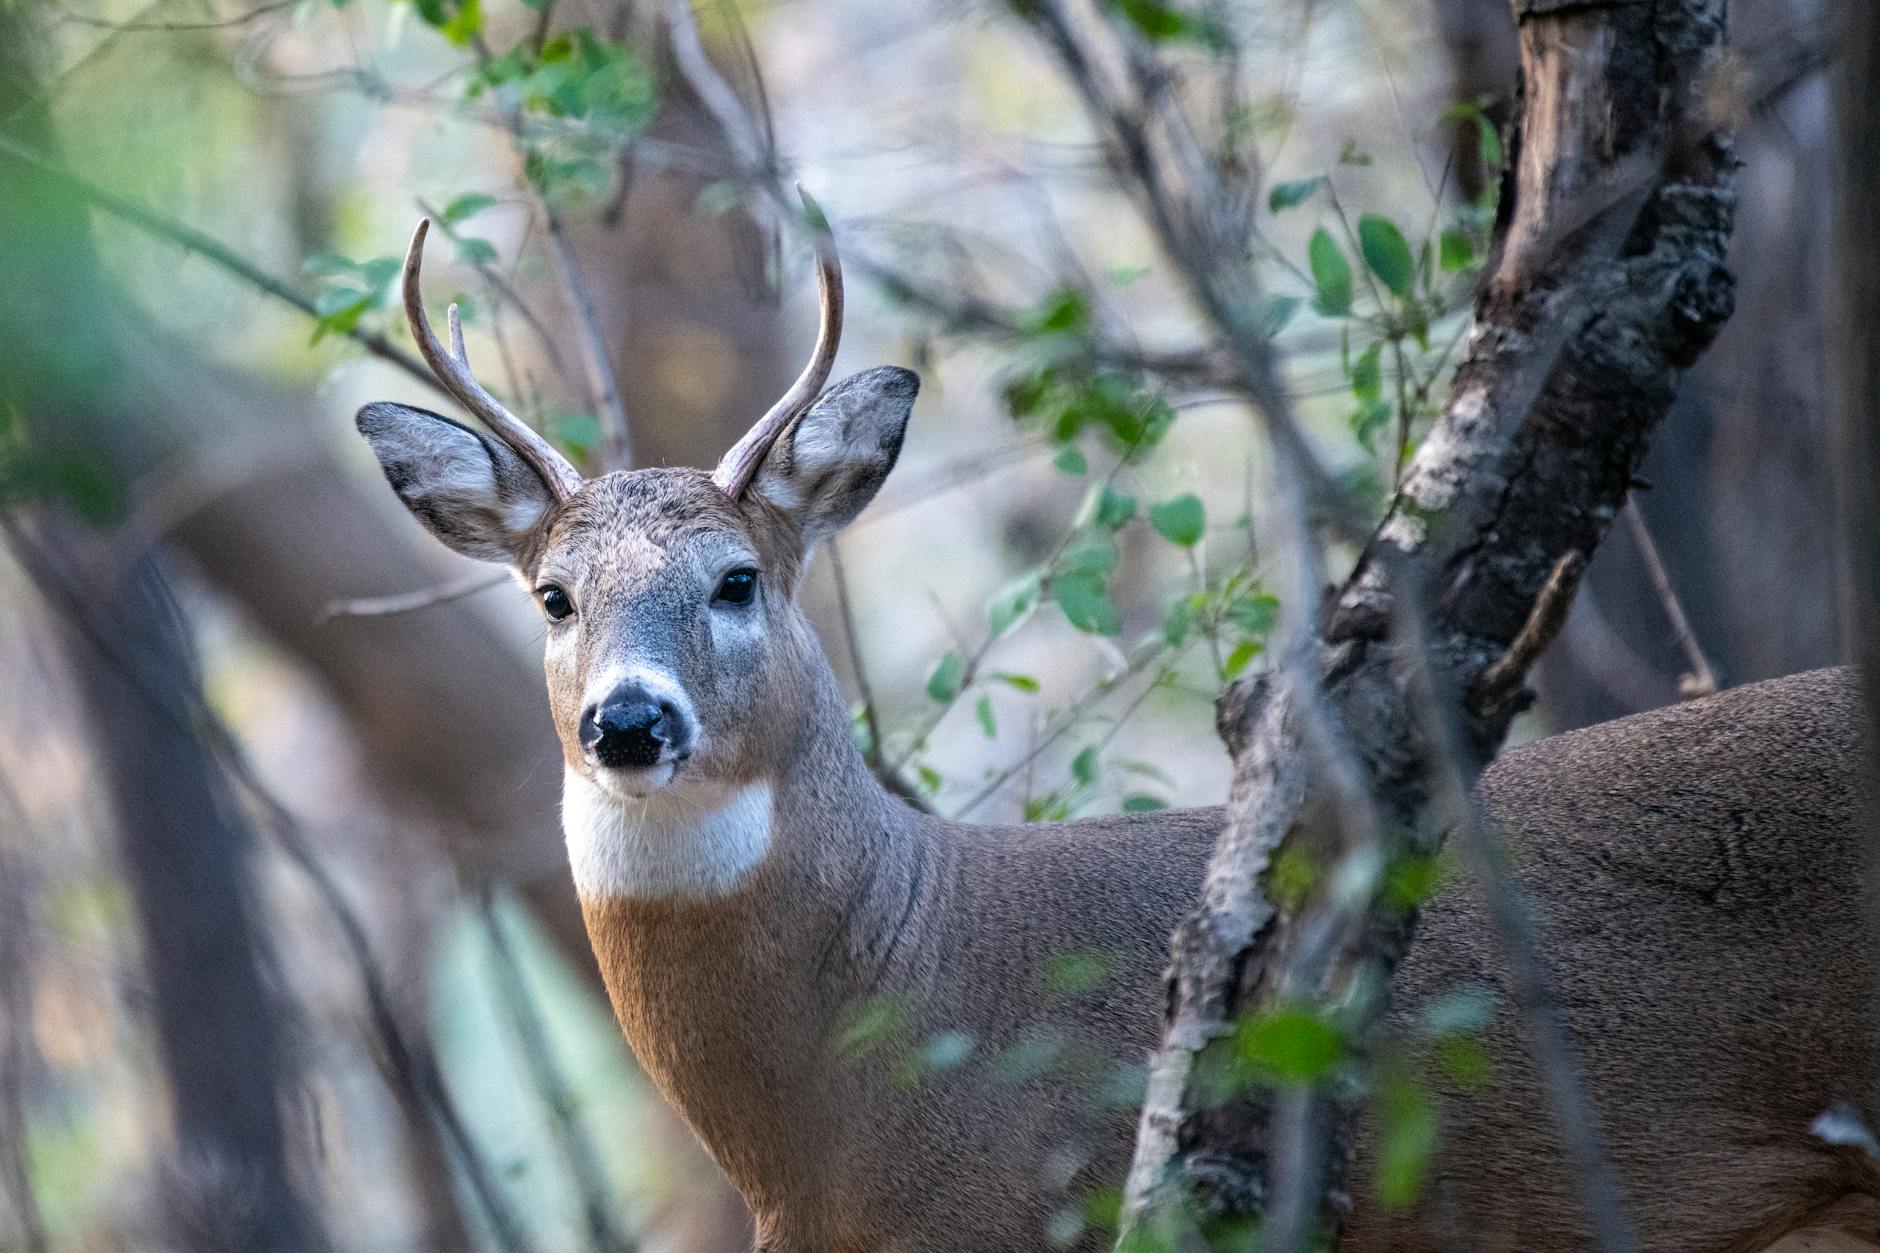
column 1504, row 677
column 890, row 777
column 616, row 431
column 1701, row 679
column 852, row 638
column 467, row 584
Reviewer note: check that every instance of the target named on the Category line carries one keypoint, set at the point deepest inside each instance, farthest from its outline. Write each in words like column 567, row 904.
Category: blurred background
column 288, row 955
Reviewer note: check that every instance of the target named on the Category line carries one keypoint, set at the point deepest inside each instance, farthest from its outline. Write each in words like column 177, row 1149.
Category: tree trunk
column 1608, row 282
column 1735, row 506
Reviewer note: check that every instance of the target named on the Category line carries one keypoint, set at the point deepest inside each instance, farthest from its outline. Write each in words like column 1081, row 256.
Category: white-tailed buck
column 897, row 1032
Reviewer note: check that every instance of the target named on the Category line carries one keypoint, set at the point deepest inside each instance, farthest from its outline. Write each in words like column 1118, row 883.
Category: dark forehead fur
column 666, row 506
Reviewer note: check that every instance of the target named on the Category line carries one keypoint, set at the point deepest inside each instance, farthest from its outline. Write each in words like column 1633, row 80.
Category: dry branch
column 1609, row 281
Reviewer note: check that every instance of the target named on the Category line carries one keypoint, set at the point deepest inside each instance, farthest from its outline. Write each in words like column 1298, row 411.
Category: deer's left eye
column 555, row 602
column 737, row 587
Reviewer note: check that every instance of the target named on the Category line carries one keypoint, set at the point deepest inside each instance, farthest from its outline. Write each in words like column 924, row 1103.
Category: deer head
column 675, row 648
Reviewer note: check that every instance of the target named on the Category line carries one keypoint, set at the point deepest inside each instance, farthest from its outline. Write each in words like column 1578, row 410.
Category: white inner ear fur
column 671, row 844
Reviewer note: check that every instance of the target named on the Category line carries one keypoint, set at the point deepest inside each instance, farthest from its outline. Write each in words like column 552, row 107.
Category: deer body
column 905, row 1034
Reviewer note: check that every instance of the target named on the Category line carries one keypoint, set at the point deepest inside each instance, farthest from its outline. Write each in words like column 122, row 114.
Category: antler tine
column 453, row 371
column 740, row 465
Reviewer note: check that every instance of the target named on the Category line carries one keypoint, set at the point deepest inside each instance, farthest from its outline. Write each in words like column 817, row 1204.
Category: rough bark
column 1735, row 507
column 1609, row 280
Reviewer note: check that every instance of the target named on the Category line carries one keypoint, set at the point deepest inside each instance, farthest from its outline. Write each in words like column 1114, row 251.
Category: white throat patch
column 669, row 844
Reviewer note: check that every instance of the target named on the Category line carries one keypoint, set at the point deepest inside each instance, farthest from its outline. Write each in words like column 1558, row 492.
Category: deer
column 897, row 1032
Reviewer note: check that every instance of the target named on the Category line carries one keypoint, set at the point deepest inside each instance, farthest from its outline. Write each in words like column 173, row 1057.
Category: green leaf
column 870, row 1025
column 1160, row 22
column 1465, row 1060
column 982, row 709
column 1387, row 253
column 1084, row 766
column 1293, row 1044
column 944, row 680
column 1095, row 554
column 1331, row 272
column 1276, row 312
column 1077, row 973
column 1367, row 379
column 474, row 251
column 578, row 432
column 1367, row 422
column 1115, row 509
column 1061, row 312
column 339, row 309
column 1142, row 803
column 328, row 265
column 1253, row 614
column 1406, row 1139
column 1178, row 621
column 1085, row 600
column 1455, row 251
column 1071, row 461
column 379, row 272
column 466, row 25
column 947, row 1049
column 465, row 207
column 1180, row 520
column 1238, row 660
column 1293, row 193
column 1013, row 603
column 1023, row 682
column 1467, row 1008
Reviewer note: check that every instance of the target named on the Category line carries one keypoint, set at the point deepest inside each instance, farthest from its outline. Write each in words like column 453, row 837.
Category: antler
column 739, row 466
column 453, row 371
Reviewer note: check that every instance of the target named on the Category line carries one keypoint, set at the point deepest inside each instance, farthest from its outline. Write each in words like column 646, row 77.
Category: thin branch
column 890, row 777
column 551, row 348
column 195, row 241
column 1701, row 679
column 467, row 584
column 616, row 431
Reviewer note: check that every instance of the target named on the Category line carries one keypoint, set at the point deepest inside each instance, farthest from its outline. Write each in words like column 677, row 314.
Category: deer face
column 673, row 637
column 677, row 657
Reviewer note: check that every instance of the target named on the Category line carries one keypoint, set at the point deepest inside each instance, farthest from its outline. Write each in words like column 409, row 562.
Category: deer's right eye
column 555, row 602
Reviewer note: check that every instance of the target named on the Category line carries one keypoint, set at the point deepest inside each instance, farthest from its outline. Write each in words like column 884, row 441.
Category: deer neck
column 736, row 928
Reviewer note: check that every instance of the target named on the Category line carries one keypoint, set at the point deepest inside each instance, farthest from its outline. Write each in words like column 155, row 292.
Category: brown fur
column 1696, row 872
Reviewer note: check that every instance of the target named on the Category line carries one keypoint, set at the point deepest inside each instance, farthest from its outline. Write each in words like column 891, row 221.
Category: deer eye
column 737, row 587
column 555, row 602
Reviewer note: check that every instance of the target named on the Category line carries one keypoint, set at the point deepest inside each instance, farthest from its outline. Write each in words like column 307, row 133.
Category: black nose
column 631, row 728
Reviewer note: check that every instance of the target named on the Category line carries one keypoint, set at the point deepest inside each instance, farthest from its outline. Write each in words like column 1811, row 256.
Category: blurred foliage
column 1149, row 570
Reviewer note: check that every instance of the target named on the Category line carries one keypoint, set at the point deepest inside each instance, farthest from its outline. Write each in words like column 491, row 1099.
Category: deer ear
column 471, row 492
column 826, row 468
